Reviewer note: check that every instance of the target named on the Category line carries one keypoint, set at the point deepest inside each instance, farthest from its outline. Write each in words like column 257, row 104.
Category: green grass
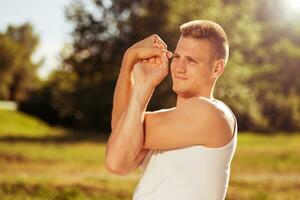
column 19, row 124
column 67, row 167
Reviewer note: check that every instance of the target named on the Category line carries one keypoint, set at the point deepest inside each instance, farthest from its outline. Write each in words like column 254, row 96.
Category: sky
column 49, row 22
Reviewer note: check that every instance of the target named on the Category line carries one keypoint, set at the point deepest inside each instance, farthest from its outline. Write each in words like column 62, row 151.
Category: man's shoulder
column 218, row 121
column 195, row 107
column 211, row 112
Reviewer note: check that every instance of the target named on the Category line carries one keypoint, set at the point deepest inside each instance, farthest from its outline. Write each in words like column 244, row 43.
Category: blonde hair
column 208, row 30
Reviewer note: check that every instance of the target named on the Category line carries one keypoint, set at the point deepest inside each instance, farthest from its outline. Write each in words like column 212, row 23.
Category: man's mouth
column 180, row 77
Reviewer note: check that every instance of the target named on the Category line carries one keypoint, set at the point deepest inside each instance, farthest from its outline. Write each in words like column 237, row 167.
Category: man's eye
column 192, row 61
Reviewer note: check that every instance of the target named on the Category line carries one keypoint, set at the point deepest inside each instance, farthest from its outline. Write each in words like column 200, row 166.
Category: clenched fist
column 151, row 73
column 147, row 60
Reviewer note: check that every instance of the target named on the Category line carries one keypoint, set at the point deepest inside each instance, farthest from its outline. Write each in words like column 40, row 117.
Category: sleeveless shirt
column 190, row 173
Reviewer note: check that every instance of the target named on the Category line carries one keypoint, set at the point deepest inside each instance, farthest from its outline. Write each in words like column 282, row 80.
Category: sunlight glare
column 293, row 6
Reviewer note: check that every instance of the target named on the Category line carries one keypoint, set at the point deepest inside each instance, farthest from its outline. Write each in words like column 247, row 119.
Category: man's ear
column 218, row 68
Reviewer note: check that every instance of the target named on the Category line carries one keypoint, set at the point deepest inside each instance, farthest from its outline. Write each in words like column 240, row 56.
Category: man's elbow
column 116, row 167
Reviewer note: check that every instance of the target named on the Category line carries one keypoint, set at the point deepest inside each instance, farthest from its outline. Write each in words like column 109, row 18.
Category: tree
column 278, row 88
column 83, row 87
column 17, row 71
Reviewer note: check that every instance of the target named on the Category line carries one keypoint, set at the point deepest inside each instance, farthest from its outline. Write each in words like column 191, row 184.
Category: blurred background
column 59, row 62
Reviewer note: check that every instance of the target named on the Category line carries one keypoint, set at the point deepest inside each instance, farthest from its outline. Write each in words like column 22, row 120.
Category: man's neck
column 182, row 98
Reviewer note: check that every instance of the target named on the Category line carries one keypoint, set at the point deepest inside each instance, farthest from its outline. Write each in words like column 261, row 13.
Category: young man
column 185, row 152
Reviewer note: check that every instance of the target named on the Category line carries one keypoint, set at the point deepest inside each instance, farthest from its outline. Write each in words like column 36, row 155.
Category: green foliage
column 260, row 82
column 278, row 87
column 17, row 71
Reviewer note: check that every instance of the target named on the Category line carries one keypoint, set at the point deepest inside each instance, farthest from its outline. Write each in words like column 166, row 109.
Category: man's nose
column 180, row 66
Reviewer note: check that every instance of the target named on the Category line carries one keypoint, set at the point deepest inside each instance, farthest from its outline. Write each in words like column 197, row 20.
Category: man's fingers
column 157, row 45
column 149, row 41
column 157, row 39
column 152, row 60
column 136, row 54
column 169, row 54
column 158, row 60
column 147, row 53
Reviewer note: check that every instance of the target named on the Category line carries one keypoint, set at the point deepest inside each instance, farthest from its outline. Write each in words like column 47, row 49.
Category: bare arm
column 126, row 140
column 122, row 91
column 124, row 84
column 124, row 150
column 122, row 94
column 197, row 122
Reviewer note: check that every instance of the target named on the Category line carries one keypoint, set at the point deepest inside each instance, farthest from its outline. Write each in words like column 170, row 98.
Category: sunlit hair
column 211, row 31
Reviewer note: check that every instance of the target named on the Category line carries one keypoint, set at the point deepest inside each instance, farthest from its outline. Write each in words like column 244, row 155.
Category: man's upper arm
column 196, row 122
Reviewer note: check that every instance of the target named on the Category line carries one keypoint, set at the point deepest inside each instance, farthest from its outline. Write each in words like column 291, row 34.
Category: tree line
column 260, row 82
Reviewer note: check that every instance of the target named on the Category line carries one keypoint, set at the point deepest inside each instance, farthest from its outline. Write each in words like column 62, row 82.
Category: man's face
column 191, row 66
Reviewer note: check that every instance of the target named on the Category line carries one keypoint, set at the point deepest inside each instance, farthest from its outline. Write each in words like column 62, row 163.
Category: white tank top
column 189, row 173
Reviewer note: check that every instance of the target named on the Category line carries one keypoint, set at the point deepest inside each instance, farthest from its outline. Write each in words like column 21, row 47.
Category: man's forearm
column 139, row 51
column 126, row 140
column 122, row 93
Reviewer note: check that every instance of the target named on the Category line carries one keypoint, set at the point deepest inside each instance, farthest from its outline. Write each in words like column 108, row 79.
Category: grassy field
column 49, row 163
